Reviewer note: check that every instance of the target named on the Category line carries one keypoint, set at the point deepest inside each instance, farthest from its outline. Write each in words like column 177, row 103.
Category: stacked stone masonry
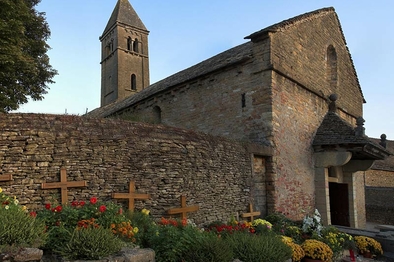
column 214, row 173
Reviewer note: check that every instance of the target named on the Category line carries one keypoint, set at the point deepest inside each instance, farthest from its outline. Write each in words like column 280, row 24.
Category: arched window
column 332, row 68
column 129, row 44
column 135, row 45
column 156, row 115
column 133, row 82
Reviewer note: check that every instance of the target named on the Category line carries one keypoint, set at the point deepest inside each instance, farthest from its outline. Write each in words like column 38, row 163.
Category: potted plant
column 297, row 251
column 316, row 250
column 368, row 246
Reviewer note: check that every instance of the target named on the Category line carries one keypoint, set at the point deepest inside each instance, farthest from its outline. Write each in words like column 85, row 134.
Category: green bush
column 18, row 227
column 206, row 247
column 257, row 248
column 145, row 225
column 90, row 243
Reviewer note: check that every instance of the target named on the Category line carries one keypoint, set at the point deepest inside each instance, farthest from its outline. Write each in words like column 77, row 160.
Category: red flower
column 93, row 200
column 57, row 209
column 48, row 206
column 33, row 214
column 82, row 203
column 102, row 208
column 74, row 203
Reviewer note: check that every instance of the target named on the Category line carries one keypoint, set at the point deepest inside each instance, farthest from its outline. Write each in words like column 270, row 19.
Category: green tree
column 24, row 65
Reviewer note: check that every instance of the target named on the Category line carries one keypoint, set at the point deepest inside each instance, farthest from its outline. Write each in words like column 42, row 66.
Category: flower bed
column 94, row 229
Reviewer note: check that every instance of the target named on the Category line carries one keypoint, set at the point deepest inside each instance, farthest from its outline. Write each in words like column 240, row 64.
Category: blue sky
column 183, row 33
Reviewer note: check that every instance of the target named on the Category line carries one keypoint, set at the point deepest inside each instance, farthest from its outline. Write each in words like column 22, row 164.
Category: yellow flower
column 24, row 208
column 145, row 211
column 7, row 207
column 135, row 230
column 1, row 190
column 367, row 244
column 316, row 249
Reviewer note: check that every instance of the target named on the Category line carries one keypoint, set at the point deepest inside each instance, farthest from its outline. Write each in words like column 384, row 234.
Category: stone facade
column 214, row 173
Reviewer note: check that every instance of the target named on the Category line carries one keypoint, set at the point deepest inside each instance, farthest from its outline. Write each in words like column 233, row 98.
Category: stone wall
column 214, row 173
column 293, row 154
column 380, row 205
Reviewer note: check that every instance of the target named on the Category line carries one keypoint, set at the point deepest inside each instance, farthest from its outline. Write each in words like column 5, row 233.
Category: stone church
column 291, row 90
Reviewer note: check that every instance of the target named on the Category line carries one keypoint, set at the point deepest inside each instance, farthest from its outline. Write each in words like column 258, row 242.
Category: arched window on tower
column 332, row 67
column 133, row 82
column 156, row 115
column 129, row 43
column 135, row 45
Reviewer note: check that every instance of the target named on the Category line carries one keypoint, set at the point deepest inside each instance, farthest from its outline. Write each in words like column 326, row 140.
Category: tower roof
column 124, row 13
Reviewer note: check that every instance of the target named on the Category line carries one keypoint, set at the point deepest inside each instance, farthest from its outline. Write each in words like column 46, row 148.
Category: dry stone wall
column 165, row 162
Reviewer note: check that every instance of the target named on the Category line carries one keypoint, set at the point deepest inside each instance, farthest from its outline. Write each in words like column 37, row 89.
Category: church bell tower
column 124, row 55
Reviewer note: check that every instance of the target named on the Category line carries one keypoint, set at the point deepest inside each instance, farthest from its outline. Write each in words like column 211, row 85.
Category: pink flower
column 93, row 200
column 102, row 208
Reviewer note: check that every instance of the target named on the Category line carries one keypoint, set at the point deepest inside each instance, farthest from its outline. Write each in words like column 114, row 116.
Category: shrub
column 90, row 243
column 145, row 225
column 17, row 226
column 63, row 219
column 167, row 238
column 204, row 247
column 256, row 248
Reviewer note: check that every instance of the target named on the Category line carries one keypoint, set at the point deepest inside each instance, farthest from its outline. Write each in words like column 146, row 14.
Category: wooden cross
column 6, row 177
column 131, row 195
column 183, row 209
column 63, row 185
column 251, row 213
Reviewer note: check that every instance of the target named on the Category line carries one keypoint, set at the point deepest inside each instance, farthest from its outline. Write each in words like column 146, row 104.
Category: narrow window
column 135, row 45
column 243, row 100
column 133, row 82
column 112, row 45
column 156, row 115
column 129, row 43
column 332, row 67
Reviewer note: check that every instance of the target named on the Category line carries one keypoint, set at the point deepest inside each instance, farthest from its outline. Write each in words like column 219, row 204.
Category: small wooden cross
column 251, row 213
column 183, row 209
column 131, row 195
column 63, row 185
column 6, row 177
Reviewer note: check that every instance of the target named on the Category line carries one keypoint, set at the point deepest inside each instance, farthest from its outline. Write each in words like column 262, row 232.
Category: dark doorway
column 339, row 204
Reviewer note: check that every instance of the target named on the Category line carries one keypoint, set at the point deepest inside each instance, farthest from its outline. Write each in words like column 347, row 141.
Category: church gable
column 311, row 51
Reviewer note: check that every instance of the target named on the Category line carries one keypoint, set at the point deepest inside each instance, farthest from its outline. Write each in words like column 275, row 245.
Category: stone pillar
column 356, row 193
column 323, row 160
column 322, row 197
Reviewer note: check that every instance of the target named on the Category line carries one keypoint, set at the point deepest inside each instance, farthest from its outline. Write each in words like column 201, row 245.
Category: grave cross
column 183, row 209
column 63, row 185
column 251, row 213
column 6, row 177
column 131, row 195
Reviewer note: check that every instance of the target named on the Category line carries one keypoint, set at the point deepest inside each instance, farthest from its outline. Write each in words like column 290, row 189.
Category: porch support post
column 356, row 197
column 323, row 160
